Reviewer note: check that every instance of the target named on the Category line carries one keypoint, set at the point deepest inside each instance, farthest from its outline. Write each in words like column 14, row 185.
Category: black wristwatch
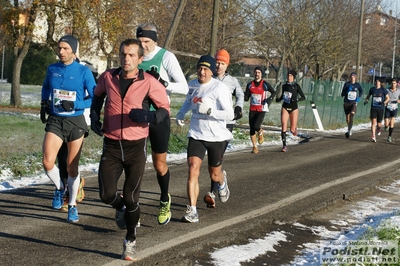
column 209, row 111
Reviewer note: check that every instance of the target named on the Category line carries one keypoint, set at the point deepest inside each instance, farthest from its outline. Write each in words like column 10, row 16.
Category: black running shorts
column 215, row 151
column 159, row 135
column 377, row 113
column 67, row 128
column 390, row 113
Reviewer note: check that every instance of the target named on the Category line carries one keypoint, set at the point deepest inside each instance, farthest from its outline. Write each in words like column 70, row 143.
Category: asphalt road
column 265, row 187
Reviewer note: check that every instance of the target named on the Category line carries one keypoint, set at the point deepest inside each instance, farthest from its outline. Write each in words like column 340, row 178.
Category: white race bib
column 256, row 99
column 392, row 106
column 62, row 95
column 376, row 101
column 352, row 95
column 287, row 96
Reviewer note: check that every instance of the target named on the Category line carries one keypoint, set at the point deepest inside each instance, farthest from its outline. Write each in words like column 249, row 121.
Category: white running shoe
column 129, row 250
column 224, row 192
column 191, row 216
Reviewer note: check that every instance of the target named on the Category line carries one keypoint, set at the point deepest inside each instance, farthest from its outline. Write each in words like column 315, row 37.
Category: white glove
column 204, row 108
column 180, row 119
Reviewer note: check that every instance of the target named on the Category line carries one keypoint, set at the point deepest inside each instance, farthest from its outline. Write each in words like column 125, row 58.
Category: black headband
column 146, row 33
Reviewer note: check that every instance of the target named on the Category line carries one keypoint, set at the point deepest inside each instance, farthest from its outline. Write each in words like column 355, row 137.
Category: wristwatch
column 209, row 111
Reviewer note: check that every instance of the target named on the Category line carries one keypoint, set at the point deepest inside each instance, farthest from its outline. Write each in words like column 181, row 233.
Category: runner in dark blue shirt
column 352, row 92
column 380, row 98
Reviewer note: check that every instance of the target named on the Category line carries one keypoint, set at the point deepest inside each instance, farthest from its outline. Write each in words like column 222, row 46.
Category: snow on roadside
column 354, row 220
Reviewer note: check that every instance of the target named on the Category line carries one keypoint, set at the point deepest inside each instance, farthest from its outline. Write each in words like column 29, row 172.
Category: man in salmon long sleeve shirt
column 130, row 91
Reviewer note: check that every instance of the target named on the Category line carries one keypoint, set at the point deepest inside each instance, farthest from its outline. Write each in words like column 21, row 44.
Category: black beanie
column 258, row 68
column 71, row 41
column 207, row 61
column 293, row 73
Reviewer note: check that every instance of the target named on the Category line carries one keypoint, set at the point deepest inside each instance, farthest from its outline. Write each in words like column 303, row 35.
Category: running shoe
column 347, row 134
column 81, row 194
column 164, row 214
column 284, row 149
column 389, row 139
column 209, row 198
column 129, row 250
column 386, row 128
column 255, row 150
column 58, row 199
column 72, row 214
column 191, row 216
column 373, row 138
column 260, row 137
column 378, row 131
column 223, row 192
column 120, row 219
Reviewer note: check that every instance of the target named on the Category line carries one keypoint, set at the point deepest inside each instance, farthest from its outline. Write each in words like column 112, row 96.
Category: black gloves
column 67, row 105
column 142, row 116
column 238, row 113
column 154, row 73
column 44, row 110
column 95, row 123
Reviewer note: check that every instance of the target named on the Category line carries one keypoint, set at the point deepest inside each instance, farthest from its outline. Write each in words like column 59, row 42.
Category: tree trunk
column 15, row 99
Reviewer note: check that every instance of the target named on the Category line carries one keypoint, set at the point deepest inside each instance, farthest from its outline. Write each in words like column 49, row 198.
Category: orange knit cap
column 222, row 55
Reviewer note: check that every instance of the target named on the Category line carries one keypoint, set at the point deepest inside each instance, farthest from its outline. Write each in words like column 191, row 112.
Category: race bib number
column 352, row 95
column 256, row 99
column 376, row 101
column 287, row 96
column 392, row 106
column 62, row 95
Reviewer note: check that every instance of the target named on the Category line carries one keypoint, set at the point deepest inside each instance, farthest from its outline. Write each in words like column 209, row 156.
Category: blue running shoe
column 58, row 200
column 72, row 214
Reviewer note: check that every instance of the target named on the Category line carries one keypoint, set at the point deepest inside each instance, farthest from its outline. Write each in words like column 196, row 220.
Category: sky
column 391, row 5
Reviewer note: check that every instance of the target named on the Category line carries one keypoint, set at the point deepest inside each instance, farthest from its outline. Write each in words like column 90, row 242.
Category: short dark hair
column 128, row 42
column 393, row 79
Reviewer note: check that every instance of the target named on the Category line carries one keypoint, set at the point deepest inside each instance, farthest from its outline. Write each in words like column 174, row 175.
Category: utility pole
column 214, row 29
column 394, row 42
column 175, row 23
column 360, row 41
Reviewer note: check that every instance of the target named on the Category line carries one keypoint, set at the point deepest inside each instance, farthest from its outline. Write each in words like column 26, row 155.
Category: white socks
column 73, row 186
column 54, row 175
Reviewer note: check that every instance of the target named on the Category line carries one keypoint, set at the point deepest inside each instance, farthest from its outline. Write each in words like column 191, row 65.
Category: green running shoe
column 164, row 214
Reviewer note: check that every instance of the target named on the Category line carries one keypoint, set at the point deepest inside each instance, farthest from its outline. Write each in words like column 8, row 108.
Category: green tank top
column 156, row 61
